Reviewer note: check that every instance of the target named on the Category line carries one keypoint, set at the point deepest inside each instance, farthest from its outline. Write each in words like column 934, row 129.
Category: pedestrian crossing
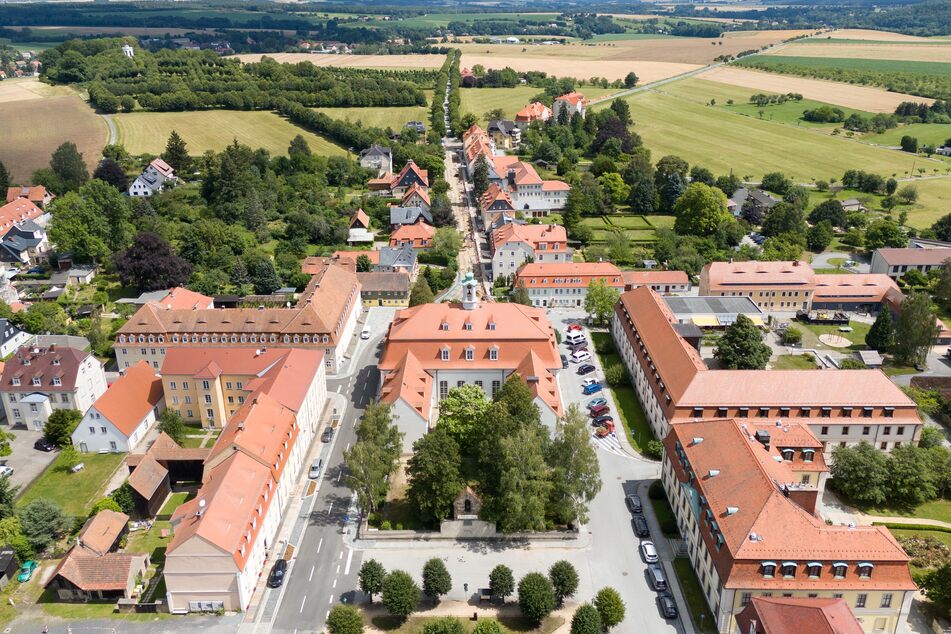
column 609, row 443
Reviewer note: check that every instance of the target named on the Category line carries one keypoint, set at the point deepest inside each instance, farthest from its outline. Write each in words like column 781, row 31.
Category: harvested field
column 582, row 69
column 875, row 36
column 28, row 88
column 142, row 132
column 721, row 140
column 479, row 101
column 848, row 95
column 904, row 52
column 379, row 117
column 42, row 126
column 352, row 61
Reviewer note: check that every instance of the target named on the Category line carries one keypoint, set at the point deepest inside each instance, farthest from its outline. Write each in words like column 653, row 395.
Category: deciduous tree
column 371, row 576
column 436, row 579
column 501, row 581
column 434, row 475
column 463, row 409
column 170, row 422
column 364, row 263
column 741, row 347
column 45, row 317
column 536, row 596
column 916, row 329
column 884, row 233
column 344, row 619
column 819, row 236
column 860, row 473
column 112, row 173
column 600, row 300
column 575, row 472
column 586, row 620
column 488, row 626
column 700, row 210
column 68, row 166
column 151, row 264
column 421, row 293
column 43, row 523
column 564, row 579
column 444, row 625
column 60, row 425
column 400, row 594
column 610, row 606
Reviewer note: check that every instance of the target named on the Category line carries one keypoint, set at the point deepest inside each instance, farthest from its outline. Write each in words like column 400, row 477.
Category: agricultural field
column 379, row 117
column 28, row 88
column 560, row 66
column 926, row 133
column 636, row 228
column 441, row 20
column 42, row 125
column 147, row 132
column 875, row 36
column 702, row 91
column 934, row 201
column 865, row 98
column 878, row 65
column 915, row 52
column 481, row 100
column 723, row 141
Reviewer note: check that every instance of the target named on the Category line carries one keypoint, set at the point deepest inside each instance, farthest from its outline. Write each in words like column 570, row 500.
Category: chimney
column 762, row 437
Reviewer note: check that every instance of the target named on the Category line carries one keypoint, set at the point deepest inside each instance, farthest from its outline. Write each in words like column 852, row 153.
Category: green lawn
column 722, row 141
column 633, row 419
column 51, row 605
column 379, row 117
column 635, row 228
column 665, row 515
column 75, row 492
column 926, row 133
column 793, row 362
column 693, row 594
column 935, row 510
column 151, row 541
column 811, row 333
column 788, row 63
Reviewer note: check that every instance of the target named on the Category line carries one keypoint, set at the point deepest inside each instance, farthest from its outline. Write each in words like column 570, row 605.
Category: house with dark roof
column 154, row 178
column 11, row 338
column 756, row 198
column 377, row 157
column 397, row 259
column 123, row 415
column 385, row 289
column 25, row 243
column 38, row 380
column 390, row 184
column 504, row 133
column 400, row 215
column 92, row 570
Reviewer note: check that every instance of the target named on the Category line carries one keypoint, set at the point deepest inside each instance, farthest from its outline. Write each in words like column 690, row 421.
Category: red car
column 574, row 327
column 600, row 410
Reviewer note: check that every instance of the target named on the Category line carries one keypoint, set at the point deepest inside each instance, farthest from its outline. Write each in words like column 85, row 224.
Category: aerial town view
column 431, row 317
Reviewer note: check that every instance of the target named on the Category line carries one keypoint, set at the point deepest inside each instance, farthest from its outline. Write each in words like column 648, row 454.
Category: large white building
column 433, row 348
column 513, row 244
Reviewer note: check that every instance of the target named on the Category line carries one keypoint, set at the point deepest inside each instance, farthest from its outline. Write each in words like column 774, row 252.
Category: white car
column 365, row 333
column 581, row 355
column 648, row 552
column 5, row 471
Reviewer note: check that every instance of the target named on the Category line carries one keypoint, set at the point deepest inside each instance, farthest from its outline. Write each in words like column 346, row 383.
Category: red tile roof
column 418, row 234
column 533, row 111
column 87, row 572
column 752, row 274
column 101, row 531
column 34, row 193
column 131, row 397
column 573, row 98
column 867, row 287
column 554, row 236
column 147, row 476
column 793, row 615
column 17, row 211
column 642, row 278
column 415, row 190
column 180, row 297
column 568, row 274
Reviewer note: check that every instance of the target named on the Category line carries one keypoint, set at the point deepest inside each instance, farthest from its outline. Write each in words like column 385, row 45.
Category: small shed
column 871, row 358
column 467, row 505
column 8, row 565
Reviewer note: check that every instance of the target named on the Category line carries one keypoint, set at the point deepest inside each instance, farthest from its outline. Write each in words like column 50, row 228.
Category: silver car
column 648, row 552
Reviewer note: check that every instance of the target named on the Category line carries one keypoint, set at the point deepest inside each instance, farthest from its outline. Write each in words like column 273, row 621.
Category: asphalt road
column 324, row 571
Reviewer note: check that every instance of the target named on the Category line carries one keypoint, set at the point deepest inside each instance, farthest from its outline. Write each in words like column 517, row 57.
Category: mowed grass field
column 36, row 127
column 479, row 101
column 926, row 133
column 852, row 63
column 394, row 118
column 147, row 132
column 724, row 141
column 934, row 201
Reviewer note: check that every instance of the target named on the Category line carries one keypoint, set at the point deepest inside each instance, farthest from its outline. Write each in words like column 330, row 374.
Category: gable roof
column 655, row 277
column 89, row 573
column 408, row 215
column 376, row 150
column 795, row 615
column 34, row 193
column 131, row 397
column 532, row 235
column 415, row 190
column 414, row 232
column 758, row 273
column 914, row 256
column 403, row 256
column 162, row 167
column 503, row 126
column 533, row 111
column 390, row 282
column 29, row 362
column 573, row 98
column 180, row 297
column 360, row 218
column 147, row 476
column 17, row 211
column 101, row 531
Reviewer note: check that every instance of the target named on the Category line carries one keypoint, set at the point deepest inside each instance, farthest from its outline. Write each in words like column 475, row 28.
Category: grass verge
column 939, row 510
column 693, row 595
column 633, row 419
column 794, row 362
column 74, row 492
column 664, row 514
column 511, row 623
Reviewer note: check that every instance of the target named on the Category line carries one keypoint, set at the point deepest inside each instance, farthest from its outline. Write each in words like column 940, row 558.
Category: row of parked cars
column 655, row 574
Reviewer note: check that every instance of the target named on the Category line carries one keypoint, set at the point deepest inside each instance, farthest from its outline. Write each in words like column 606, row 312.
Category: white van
column 581, row 355
column 574, row 338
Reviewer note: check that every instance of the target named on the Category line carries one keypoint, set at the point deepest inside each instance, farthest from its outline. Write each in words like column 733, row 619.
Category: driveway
column 821, row 261
column 27, row 462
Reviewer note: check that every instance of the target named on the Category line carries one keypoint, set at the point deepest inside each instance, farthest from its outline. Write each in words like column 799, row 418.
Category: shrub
column 925, row 552
column 344, row 619
column 616, row 375
column 400, row 594
column 654, row 449
column 587, row 620
column 385, row 525
column 669, row 526
column 851, row 364
column 610, row 606
column 656, row 491
column 445, row 625
column 792, row 336
column 488, row 626
column 536, row 596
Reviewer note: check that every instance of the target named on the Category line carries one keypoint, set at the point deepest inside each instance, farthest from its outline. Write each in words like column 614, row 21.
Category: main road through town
column 324, row 570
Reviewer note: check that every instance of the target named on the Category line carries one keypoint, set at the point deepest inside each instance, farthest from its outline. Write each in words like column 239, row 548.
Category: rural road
column 113, row 133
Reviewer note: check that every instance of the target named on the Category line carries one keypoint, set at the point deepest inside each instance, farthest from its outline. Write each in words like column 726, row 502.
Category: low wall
column 461, row 530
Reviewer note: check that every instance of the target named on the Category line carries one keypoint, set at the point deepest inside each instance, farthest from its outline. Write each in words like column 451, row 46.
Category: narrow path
column 113, row 133
column 913, row 521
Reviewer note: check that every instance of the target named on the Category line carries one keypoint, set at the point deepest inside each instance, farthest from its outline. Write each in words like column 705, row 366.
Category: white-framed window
column 444, row 354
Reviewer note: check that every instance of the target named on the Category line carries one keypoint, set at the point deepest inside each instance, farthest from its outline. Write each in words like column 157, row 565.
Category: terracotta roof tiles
column 131, row 397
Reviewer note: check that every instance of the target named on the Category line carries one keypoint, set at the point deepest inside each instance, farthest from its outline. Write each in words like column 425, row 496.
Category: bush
column 536, row 596
column 344, row 619
column 925, row 552
column 851, row 364
column 400, row 594
column 124, row 496
column 616, row 375
column 654, row 449
column 792, row 336
column 587, row 620
column 669, row 526
column 488, row 626
column 445, row 625
column 610, row 606
column 656, row 491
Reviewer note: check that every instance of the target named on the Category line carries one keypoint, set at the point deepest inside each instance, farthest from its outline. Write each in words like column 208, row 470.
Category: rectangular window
column 210, row 413
column 866, row 430
column 496, row 385
column 900, row 430
column 866, row 412
column 845, row 431
column 205, row 385
column 745, row 598
column 860, row 600
column 207, row 399
column 823, row 431
column 112, row 445
column 443, row 389
column 102, row 429
column 172, row 386
column 886, row 600
column 16, row 413
column 887, row 430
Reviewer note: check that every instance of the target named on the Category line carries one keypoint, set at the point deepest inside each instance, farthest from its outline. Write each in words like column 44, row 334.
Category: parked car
column 592, row 388
column 668, row 607
column 597, row 401
column 44, row 445
column 575, row 328
column 26, row 570
column 598, row 410
column 574, row 338
column 365, row 333
column 328, row 434
column 316, row 468
column 564, row 361
column 641, row 529
column 580, row 355
column 634, row 503
column 276, row 578
column 602, row 420
column 648, row 552
column 656, row 574
column 5, row 470
column 586, row 368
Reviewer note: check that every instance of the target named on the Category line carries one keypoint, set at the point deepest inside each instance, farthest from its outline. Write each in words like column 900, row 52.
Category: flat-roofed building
column 713, row 312
column 748, row 518
column 773, row 286
column 842, row 407
column 324, row 319
column 565, row 284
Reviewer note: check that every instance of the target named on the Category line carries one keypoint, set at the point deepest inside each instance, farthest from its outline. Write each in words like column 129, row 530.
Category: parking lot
column 27, row 462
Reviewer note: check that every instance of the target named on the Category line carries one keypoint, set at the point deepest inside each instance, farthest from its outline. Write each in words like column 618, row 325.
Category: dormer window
column 444, row 354
column 55, row 361
column 15, row 381
column 35, row 380
column 808, row 455
column 789, row 569
column 470, row 354
column 865, row 569
column 815, row 569
column 787, row 454
column 26, row 361
column 768, row 568
column 491, row 325
column 467, row 326
column 444, row 326
column 839, row 569
column 57, row 381
column 493, row 354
